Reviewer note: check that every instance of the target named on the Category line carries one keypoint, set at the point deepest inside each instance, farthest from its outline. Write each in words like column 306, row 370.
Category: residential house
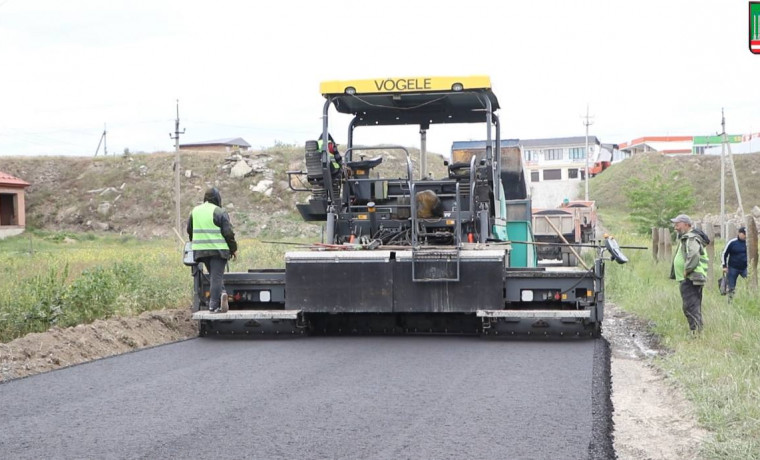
column 235, row 144
column 12, row 205
column 559, row 158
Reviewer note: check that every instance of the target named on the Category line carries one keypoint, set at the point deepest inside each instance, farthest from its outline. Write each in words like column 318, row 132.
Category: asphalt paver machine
column 406, row 255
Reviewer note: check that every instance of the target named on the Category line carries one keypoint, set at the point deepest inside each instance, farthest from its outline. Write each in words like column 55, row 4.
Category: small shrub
column 655, row 201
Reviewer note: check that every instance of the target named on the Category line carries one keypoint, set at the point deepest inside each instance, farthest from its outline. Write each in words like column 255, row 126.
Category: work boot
column 225, row 305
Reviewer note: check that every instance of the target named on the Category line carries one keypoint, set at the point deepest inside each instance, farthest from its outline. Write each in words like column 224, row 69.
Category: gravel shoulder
column 652, row 419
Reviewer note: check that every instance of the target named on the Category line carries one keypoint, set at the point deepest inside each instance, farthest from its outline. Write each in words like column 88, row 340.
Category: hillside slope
column 134, row 194
column 702, row 171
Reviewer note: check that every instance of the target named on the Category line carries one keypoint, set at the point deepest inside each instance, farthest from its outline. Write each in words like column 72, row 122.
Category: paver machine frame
column 404, row 255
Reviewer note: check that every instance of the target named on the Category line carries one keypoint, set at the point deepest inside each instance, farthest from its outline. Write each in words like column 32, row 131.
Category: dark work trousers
column 733, row 275
column 215, row 267
column 692, row 304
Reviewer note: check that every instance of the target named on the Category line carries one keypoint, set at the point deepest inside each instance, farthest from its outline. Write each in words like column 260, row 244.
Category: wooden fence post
column 667, row 243
column 731, row 231
column 655, row 242
column 660, row 245
column 752, row 251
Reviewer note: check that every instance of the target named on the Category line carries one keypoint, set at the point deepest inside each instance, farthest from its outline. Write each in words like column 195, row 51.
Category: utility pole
column 725, row 153
column 587, row 123
column 723, row 177
column 176, row 168
column 102, row 141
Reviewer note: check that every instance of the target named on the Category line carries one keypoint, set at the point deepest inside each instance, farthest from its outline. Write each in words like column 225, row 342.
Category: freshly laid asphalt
column 320, row 398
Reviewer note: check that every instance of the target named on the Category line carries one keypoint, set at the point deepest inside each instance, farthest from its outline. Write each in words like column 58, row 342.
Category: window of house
column 553, row 154
column 572, row 173
column 534, row 176
column 577, row 153
column 552, row 174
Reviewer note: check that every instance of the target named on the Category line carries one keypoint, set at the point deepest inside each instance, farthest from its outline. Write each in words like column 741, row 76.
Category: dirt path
column 652, row 419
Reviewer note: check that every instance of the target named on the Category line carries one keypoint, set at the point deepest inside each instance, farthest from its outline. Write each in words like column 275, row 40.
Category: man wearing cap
column 735, row 260
column 690, row 270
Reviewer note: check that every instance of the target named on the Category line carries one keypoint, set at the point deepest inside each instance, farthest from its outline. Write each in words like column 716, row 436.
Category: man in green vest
column 214, row 243
column 332, row 153
column 690, row 270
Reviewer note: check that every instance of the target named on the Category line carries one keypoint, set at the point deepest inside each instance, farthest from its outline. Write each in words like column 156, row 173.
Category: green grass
column 719, row 371
column 65, row 279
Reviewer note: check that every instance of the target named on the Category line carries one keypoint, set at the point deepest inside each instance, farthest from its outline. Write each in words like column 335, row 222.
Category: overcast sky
column 252, row 69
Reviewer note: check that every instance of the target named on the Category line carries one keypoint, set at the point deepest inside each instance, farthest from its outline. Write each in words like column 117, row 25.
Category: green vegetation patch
column 64, row 279
column 50, row 281
column 719, row 371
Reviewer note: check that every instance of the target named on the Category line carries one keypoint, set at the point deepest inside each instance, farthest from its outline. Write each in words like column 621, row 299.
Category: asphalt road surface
column 320, row 398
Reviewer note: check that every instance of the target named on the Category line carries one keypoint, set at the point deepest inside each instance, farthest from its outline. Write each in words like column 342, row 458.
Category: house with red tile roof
column 12, row 207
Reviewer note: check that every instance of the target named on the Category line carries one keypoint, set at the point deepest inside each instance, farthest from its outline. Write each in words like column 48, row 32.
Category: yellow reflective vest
column 206, row 235
column 334, row 164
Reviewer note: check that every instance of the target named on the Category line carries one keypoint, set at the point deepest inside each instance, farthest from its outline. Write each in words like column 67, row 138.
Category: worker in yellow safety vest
column 332, row 151
column 213, row 243
column 690, row 269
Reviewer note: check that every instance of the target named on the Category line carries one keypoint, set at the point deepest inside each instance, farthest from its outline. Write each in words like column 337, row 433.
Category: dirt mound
column 57, row 347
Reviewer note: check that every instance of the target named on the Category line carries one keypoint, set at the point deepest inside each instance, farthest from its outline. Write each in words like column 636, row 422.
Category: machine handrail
column 290, row 183
column 472, row 184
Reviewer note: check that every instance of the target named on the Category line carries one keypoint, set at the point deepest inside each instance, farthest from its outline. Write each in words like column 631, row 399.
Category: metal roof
column 8, row 180
column 467, row 145
column 235, row 141
column 558, row 141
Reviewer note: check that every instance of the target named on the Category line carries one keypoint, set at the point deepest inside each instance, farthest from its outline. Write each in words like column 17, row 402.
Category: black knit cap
column 743, row 230
column 212, row 195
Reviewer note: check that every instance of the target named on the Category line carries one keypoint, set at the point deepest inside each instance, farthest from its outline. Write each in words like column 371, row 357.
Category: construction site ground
column 652, row 420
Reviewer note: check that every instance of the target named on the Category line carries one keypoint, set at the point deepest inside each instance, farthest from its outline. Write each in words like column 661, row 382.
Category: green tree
column 655, row 201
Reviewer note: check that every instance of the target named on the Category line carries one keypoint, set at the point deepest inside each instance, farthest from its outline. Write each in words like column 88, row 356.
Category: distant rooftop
column 558, row 141
column 8, row 180
column 464, row 145
column 528, row 143
column 232, row 141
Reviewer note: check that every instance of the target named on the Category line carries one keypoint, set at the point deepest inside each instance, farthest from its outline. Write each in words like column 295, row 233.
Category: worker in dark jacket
column 735, row 260
column 214, row 243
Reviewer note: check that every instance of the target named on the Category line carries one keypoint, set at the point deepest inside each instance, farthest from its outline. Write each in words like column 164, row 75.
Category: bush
column 655, row 201
column 68, row 284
